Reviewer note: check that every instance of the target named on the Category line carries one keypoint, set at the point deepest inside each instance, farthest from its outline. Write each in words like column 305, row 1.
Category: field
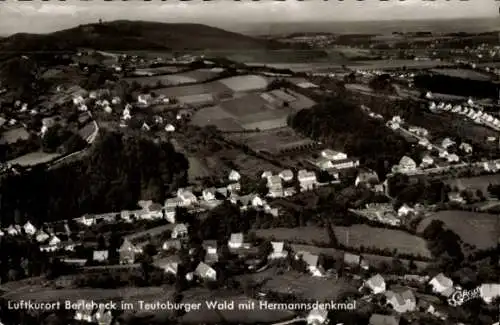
column 245, row 83
column 11, row 136
column 271, row 141
column 159, row 70
column 373, row 260
column 150, row 80
column 252, row 111
column 34, row 158
column 479, row 229
column 463, row 73
column 301, row 285
column 247, row 165
column 355, row 236
column 197, row 169
column 214, row 88
column 475, row 183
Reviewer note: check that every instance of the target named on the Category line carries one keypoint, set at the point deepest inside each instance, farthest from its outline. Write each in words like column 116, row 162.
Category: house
column 453, row 158
column 442, row 285
column 266, row 174
column 83, row 314
column 102, row 316
column 234, row 188
column 312, row 262
column 317, row 316
column 236, row 241
column 443, row 153
column 333, row 155
column 344, row 163
column 366, row 178
column 275, row 186
column 447, row 142
column 100, row 255
column 168, row 264
column 424, row 142
column 187, row 196
column 402, row 302
column 307, row 180
column 353, row 260
column 175, row 202
column 377, row 319
column 407, row 164
column 489, row 292
column 145, row 127
column 456, row 197
column 86, row 220
column 286, row 175
column 170, row 213
column 13, row 231
column 41, row 236
column 205, row 272
column 404, row 210
column 133, row 244
column 151, row 212
column 234, row 176
column 221, row 192
column 490, row 166
column 211, row 255
column 376, row 284
column 54, row 241
column 180, row 230
column 465, row 147
column 169, row 128
column 278, row 251
column 172, row 244
column 427, row 161
column 29, row 229
column 208, row 194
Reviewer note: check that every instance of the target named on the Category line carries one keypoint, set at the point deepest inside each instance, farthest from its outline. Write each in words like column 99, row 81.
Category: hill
column 134, row 35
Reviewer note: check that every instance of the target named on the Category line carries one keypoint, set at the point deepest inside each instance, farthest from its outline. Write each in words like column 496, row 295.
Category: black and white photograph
column 250, row 162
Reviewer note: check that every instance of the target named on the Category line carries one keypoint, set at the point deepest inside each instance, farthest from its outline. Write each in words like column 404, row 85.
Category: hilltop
column 134, row 35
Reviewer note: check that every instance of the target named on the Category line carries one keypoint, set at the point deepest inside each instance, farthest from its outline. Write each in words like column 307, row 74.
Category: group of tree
column 343, row 126
column 115, row 174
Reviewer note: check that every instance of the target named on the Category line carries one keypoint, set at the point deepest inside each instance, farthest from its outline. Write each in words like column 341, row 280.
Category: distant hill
column 135, row 35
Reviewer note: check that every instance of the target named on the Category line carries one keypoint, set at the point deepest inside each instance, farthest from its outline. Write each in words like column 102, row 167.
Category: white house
column 427, row 161
column 266, row 174
column 100, row 255
column 401, row 302
column 180, row 230
column 187, row 196
column 307, row 180
column 442, row 285
column 333, row 155
column 447, row 142
column 234, row 176
column 29, row 229
column 278, row 251
column 234, row 188
column 453, row 158
column 489, row 291
column 13, row 231
column 407, row 164
column 205, row 272
column 404, row 210
column 317, row 317
column 41, row 236
column 169, row 264
column 169, row 128
column 145, row 127
column 465, row 147
column 312, row 262
column 236, row 241
column 54, row 241
column 286, row 175
column 208, row 194
column 376, row 284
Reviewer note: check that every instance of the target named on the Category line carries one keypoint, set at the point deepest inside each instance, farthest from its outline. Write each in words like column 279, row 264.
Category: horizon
column 47, row 17
column 415, row 21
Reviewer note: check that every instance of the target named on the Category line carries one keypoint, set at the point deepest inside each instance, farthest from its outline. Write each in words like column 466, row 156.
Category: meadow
column 354, row 236
column 479, row 229
column 475, row 183
column 34, row 158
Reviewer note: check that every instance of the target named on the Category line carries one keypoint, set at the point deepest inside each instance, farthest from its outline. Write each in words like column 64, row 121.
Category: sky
column 45, row 17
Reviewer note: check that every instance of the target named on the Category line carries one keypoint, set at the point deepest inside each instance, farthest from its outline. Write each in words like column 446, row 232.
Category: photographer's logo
column 460, row 297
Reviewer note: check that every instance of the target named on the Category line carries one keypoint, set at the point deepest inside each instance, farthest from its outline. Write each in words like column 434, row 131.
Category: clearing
column 475, row 183
column 479, row 229
column 245, row 83
column 354, row 236
column 34, row 158
column 14, row 135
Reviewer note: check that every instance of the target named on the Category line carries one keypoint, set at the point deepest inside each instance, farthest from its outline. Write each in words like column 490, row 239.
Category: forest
column 116, row 173
column 344, row 127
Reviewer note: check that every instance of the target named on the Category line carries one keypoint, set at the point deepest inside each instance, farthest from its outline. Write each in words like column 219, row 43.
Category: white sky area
column 38, row 17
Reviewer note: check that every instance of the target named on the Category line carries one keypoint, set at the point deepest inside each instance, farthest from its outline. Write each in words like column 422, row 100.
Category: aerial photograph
column 250, row 162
